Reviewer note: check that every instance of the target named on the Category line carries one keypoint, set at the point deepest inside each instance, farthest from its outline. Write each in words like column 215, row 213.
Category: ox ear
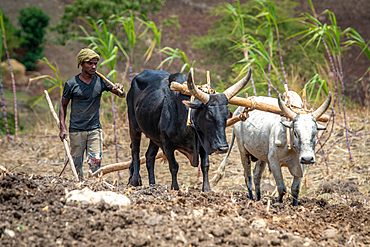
column 193, row 105
column 286, row 123
column 320, row 127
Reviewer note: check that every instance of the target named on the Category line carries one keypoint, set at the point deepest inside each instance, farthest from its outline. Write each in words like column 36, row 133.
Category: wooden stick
column 208, row 80
column 64, row 167
column 304, row 99
column 122, row 166
column 175, row 86
column 188, row 121
column 232, row 121
column 66, row 147
column 108, row 81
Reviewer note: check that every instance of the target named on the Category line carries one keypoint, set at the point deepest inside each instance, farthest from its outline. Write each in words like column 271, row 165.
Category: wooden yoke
column 175, row 86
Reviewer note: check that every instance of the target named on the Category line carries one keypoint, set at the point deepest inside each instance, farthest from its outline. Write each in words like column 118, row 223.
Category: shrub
column 33, row 22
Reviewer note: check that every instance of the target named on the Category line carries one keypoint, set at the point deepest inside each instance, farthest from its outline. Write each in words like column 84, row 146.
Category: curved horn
column 286, row 111
column 234, row 89
column 201, row 96
column 322, row 109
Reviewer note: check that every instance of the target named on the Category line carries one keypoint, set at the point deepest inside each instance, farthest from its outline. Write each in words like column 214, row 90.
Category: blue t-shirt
column 85, row 102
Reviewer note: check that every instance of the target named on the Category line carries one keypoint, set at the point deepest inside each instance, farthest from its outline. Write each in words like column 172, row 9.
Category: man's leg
column 94, row 149
column 78, row 146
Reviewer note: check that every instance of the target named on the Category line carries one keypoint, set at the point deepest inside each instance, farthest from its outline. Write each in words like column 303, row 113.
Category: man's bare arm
column 62, row 118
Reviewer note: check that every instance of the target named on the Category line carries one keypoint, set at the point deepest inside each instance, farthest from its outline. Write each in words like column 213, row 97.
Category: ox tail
column 220, row 173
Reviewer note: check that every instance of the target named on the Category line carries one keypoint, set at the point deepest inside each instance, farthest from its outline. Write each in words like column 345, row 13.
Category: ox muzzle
column 308, row 159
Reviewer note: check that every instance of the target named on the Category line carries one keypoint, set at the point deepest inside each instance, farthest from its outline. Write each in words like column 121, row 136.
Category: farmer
column 85, row 90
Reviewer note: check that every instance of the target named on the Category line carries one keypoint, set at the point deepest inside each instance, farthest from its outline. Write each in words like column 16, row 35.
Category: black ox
column 161, row 114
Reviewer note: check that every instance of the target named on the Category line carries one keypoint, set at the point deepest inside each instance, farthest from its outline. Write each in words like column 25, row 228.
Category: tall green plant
column 128, row 24
column 355, row 39
column 54, row 82
column 12, row 76
column 12, row 37
column 157, row 32
column 177, row 53
column 6, row 127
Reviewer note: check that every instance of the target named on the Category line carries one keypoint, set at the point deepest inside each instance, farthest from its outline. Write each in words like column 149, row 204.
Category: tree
column 33, row 22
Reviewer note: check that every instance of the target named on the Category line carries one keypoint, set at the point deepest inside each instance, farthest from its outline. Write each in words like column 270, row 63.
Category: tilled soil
column 34, row 212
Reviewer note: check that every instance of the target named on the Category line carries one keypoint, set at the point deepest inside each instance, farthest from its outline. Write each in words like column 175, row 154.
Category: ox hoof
column 135, row 182
column 295, row 201
column 206, row 188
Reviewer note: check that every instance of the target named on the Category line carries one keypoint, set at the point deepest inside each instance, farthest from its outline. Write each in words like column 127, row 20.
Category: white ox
column 262, row 138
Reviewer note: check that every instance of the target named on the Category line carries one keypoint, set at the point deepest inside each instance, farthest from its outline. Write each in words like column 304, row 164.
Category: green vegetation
column 12, row 37
column 50, row 81
column 176, row 53
column 251, row 33
column 67, row 27
column 33, row 22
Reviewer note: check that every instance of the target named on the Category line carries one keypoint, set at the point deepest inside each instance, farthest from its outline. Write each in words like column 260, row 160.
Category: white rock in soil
column 89, row 196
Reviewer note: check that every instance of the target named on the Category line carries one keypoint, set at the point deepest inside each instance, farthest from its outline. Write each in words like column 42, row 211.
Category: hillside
column 193, row 20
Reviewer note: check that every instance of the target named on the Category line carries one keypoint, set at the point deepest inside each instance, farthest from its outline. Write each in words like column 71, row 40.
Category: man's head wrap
column 86, row 54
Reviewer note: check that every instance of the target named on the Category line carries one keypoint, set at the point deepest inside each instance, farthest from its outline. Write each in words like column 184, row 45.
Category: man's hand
column 63, row 134
column 120, row 87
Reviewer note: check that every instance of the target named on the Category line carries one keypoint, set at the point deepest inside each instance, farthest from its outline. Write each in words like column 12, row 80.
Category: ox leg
column 135, row 179
column 204, row 163
column 174, row 166
column 276, row 171
column 295, row 189
column 246, row 161
column 257, row 175
column 150, row 160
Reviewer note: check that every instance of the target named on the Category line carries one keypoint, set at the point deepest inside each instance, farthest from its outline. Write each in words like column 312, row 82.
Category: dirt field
column 34, row 212
column 334, row 207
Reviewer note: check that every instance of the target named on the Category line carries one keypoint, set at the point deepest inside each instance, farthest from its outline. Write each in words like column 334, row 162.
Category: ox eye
column 209, row 116
column 295, row 134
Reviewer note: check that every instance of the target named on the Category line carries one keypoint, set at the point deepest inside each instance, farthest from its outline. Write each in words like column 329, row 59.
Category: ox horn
column 234, row 89
column 201, row 96
column 286, row 111
column 322, row 109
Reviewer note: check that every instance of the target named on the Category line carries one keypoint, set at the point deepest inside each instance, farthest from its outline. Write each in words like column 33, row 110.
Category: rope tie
column 184, row 88
column 245, row 114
